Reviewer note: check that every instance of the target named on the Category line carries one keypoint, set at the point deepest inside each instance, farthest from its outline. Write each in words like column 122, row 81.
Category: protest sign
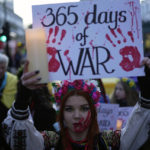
column 107, row 115
column 123, row 115
column 92, row 39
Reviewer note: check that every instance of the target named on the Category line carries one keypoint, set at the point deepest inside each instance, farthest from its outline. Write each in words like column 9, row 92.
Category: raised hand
column 144, row 84
column 30, row 79
column 28, row 82
column 146, row 61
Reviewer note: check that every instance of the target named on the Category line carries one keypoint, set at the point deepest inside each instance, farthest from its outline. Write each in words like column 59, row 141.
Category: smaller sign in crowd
column 112, row 117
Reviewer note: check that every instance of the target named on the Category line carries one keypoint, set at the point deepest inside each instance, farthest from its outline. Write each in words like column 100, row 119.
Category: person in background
column 43, row 113
column 8, row 88
column 125, row 93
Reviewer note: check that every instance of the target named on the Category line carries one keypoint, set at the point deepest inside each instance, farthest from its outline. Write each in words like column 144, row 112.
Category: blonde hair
column 4, row 59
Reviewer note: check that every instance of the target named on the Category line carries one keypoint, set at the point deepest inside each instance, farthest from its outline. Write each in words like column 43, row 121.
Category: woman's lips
column 76, row 124
column 126, row 63
column 78, row 127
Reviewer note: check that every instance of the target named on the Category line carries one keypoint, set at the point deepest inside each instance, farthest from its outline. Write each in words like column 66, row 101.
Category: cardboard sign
column 123, row 115
column 107, row 115
column 92, row 39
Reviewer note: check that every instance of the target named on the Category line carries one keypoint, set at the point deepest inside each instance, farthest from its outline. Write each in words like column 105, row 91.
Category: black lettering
column 105, row 61
column 71, row 63
column 93, row 16
column 104, row 123
column 75, row 16
column 122, row 17
column 52, row 17
column 125, row 113
column 113, row 19
column 60, row 17
column 87, row 55
column 102, row 18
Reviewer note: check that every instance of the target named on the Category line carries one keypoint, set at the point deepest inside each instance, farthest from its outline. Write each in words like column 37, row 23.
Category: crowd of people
column 29, row 121
column 63, row 116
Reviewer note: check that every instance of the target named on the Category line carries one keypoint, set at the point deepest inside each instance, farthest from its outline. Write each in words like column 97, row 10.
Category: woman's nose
column 77, row 114
column 117, row 91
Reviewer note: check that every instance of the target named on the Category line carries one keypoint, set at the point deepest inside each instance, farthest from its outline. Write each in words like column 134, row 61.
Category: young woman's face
column 120, row 92
column 77, row 114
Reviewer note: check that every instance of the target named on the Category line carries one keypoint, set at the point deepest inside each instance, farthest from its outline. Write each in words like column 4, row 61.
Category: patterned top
column 111, row 138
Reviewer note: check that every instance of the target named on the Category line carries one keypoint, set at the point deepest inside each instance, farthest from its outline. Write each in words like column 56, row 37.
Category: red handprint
column 130, row 54
column 54, row 64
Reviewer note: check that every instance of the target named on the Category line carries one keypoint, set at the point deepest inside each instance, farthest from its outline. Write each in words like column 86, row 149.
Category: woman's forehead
column 76, row 100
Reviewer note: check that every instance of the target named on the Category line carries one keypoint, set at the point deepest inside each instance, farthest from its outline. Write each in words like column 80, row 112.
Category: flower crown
column 78, row 85
column 129, row 82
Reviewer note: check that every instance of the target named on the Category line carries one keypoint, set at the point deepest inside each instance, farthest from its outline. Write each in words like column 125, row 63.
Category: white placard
column 92, row 39
column 123, row 115
column 107, row 115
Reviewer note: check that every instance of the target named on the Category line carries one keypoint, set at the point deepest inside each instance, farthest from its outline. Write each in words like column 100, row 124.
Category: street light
column 3, row 38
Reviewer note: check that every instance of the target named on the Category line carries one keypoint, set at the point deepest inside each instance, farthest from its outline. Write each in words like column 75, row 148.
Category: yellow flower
column 131, row 83
column 124, row 79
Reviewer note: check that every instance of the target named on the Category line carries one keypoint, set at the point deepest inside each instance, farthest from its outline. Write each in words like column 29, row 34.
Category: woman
column 77, row 117
column 78, row 123
column 125, row 93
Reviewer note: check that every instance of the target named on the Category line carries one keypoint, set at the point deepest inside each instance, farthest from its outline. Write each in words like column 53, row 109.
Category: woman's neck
column 78, row 136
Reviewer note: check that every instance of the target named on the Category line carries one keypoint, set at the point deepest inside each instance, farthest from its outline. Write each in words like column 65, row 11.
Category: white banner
column 107, row 116
column 92, row 39
column 123, row 115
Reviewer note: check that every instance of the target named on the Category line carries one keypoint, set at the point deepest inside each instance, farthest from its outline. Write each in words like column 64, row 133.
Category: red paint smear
column 51, row 51
column 53, row 64
column 91, row 43
column 111, row 57
column 113, row 32
column 109, row 39
column 87, row 120
column 126, row 63
column 62, row 36
column 120, row 32
column 56, row 32
column 43, row 18
column 68, row 59
column 82, row 125
column 131, row 35
column 118, row 41
column 50, row 32
column 66, row 52
column 73, row 38
column 133, row 14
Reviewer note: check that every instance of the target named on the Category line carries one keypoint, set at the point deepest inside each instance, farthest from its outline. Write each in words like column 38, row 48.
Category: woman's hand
column 144, row 83
column 146, row 61
column 30, row 79
column 28, row 82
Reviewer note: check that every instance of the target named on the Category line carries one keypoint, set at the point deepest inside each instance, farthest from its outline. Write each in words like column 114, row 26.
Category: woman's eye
column 85, row 108
column 69, row 109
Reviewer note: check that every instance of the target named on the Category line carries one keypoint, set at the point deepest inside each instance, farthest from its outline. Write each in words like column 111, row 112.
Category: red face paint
column 82, row 124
